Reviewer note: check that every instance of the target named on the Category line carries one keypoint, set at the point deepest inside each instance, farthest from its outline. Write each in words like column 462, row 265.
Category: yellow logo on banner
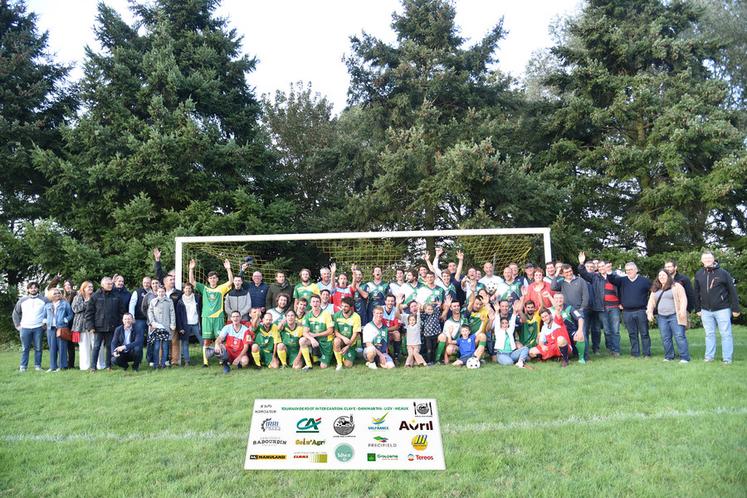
column 420, row 442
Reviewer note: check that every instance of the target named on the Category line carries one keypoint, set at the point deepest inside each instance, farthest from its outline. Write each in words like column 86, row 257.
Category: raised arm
column 192, row 264
column 460, row 258
column 227, row 266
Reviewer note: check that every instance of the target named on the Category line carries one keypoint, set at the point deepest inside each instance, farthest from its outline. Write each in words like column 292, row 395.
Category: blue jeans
column 57, row 349
column 668, row 327
column 160, row 347
column 106, row 338
column 135, row 356
column 27, row 336
column 142, row 326
column 611, row 324
column 637, row 324
column 512, row 357
column 592, row 328
column 189, row 330
column 722, row 320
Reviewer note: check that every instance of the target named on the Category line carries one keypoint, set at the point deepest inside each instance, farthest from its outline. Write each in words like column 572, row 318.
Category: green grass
column 613, row 427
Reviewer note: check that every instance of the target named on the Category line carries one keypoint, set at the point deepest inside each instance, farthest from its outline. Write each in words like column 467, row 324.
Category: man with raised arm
column 212, row 305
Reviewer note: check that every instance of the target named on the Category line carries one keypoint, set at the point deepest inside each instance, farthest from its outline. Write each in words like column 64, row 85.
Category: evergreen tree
column 642, row 132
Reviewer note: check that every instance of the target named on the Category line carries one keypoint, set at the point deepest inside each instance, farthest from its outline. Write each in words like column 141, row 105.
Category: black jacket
column 136, row 339
column 596, row 294
column 715, row 290
column 684, row 281
column 104, row 312
column 181, row 312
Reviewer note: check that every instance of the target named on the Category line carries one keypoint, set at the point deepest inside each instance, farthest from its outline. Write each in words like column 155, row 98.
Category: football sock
column 564, row 352
column 306, row 356
column 255, row 355
column 581, row 347
column 440, row 351
column 283, row 355
column 338, row 356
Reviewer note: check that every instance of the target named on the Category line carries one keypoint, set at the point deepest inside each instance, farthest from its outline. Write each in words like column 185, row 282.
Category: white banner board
column 335, row 434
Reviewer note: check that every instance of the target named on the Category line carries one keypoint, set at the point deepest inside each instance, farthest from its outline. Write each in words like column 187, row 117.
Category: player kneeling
column 347, row 325
column 266, row 341
column 233, row 343
column 553, row 340
column 375, row 337
column 506, row 350
column 290, row 347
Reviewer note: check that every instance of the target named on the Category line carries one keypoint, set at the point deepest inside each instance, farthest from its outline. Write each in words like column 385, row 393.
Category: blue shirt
column 466, row 346
column 258, row 293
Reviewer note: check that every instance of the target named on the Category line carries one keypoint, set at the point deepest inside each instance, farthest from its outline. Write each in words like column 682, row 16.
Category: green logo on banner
column 344, row 452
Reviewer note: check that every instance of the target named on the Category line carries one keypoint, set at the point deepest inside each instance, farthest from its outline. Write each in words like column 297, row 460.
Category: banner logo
column 344, row 452
column 377, row 423
column 381, row 442
column 308, row 424
column 311, row 457
column 423, row 409
column 344, row 425
column 420, row 442
column 270, row 425
column 310, row 442
column 416, row 426
column 267, row 457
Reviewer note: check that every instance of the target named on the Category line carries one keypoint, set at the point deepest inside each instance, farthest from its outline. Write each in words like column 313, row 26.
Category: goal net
column 388, row 250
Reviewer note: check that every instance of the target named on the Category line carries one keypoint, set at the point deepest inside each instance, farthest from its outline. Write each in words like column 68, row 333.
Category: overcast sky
column 306, row 40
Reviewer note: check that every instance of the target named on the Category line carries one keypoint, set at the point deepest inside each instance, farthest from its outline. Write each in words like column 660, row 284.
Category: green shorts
column 211, row 327
column 265, row 356
column 350, row 355
column 325, row 348
column 292, row 352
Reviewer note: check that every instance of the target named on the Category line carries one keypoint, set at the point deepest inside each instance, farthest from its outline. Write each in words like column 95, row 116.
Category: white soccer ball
column 473, row 362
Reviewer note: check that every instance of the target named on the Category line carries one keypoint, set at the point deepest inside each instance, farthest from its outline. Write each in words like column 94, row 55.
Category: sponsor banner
column 355, row 434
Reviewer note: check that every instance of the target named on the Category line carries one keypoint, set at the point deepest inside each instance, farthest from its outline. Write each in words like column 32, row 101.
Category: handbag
column 64, row 333
column 76, row 337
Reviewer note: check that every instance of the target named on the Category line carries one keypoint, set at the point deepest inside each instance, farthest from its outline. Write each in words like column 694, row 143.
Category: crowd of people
column 440, row 316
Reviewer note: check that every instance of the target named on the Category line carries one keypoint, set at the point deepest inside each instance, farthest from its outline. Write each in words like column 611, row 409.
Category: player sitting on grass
column 233, row 342
column 290, row 335
column 266, row 341
column 212, row 306
column 466, row 345
column 447, row 340
column 375, row 336
column 553, row 340
column 319, row 331
column 507, row 351
column 347, row 325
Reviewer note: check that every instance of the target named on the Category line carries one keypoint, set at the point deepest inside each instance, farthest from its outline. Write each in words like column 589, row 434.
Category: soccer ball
column 473, row 362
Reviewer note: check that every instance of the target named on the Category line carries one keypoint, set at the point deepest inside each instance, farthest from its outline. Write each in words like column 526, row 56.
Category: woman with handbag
column 80, row 334
column 59, row 316
column 668, row 302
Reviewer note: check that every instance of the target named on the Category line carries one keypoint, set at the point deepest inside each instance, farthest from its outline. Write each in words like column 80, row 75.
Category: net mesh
column 367, row 253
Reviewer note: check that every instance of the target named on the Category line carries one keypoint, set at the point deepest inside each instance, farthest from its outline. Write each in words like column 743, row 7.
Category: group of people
column 439, row 316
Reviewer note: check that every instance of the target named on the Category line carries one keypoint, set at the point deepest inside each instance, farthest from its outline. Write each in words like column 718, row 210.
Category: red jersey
column 235, row 340
column 339, row 295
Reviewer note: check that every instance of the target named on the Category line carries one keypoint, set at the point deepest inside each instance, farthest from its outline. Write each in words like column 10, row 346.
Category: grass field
column 614, row 427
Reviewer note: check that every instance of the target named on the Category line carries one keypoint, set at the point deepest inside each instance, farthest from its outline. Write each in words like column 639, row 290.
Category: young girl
column 431, row 330
column 413, row 340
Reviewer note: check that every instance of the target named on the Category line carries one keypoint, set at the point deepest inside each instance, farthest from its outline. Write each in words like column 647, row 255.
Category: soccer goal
column 388, row 250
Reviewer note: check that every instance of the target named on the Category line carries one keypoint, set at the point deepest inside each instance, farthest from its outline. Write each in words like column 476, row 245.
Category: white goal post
column 284, row 237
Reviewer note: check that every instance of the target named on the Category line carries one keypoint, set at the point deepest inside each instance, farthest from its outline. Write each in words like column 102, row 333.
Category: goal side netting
column 388, row 250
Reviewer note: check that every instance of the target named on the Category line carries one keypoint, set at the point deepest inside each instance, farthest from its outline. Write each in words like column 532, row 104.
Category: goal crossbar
column 280, row 237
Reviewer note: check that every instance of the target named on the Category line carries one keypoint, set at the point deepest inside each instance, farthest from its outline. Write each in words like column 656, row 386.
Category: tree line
column 627, row 137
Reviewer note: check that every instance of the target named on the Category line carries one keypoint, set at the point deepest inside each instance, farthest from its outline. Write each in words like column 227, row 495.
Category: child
column 466, row 345
column 413, row 340
column 431, row 330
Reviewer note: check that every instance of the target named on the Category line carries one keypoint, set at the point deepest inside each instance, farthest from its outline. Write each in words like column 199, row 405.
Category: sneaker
column 306, row 368
column 684, row 361
column 50, row 370
column 226, row 368
column 582, row 361
column 38, row 368
column 667, row 360
column 727, row 362
column 151, row 364
column 205, row 365
column 168, row 363
column 371, row 365
column 339, row 367
column 708, row 360
column 22, row 369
